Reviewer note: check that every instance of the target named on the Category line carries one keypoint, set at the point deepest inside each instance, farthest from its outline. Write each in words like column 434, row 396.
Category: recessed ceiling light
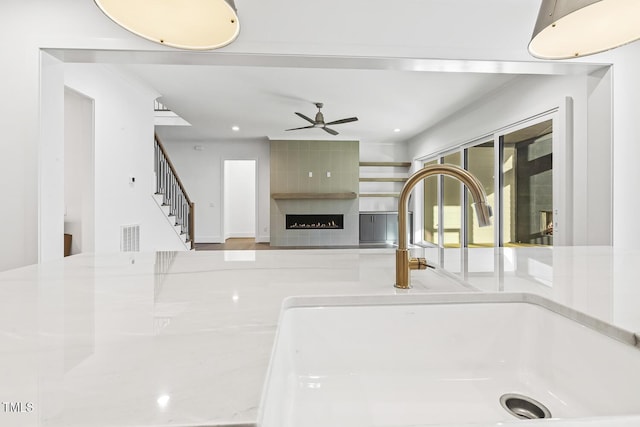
column 196, row 24
column 235, row 128
column 396, row 130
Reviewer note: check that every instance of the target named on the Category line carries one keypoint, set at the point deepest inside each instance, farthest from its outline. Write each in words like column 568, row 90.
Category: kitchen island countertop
column 184, row 338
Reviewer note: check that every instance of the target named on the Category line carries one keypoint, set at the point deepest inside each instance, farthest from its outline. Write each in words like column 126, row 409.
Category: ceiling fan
column 319, row 121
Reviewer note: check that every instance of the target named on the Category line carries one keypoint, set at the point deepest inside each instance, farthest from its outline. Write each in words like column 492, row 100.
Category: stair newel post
column 192, row 209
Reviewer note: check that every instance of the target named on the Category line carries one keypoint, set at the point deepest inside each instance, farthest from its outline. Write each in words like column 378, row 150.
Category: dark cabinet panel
column 382, row 227
column 373, row 227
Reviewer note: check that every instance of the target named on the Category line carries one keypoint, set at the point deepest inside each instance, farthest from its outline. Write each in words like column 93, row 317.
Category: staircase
column 172, row 197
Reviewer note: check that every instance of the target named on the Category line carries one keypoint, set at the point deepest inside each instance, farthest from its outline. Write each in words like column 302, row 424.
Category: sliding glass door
column 516, row 171
column 452, row 205
column 431, row 207
column 479, row 160
column 527, row 186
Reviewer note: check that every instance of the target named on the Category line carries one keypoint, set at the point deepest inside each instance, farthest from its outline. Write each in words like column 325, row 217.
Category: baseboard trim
column 209, row 239
column 240, row 236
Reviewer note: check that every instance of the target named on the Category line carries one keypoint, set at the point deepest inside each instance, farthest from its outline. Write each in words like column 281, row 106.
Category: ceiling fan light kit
column 573, row 28
column 193, row 25
column 319, row 122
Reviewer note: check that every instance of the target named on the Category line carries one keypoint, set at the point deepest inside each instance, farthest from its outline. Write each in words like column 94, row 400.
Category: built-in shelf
column 322, row 196
column 390, row 190
column 379, row 194
column 387, row 164
column 383, row 179
column 383, row 191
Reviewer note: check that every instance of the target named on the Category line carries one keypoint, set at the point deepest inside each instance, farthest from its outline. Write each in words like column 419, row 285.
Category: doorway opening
column 79, row 200
column 239, row 199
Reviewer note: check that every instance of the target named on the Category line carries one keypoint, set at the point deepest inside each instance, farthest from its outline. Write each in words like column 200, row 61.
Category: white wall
column 124, row 129
column 626, row 131
column 201, row 172
column 526, row 97
column 51, row 179
column 62, row 23
column 79, row 200
column 239, row 198
column 600, row 158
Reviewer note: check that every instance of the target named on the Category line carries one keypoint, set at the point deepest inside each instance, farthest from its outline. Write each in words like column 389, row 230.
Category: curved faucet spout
column 483, row 211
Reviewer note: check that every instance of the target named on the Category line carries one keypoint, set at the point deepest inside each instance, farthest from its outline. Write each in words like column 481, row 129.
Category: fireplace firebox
column 314, row 222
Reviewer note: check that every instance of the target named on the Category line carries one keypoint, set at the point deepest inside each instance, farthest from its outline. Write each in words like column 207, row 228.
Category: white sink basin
column 415, row 360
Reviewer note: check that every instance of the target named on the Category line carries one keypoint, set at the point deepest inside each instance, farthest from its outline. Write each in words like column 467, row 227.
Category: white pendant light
column 192, row 24
column 573, row 28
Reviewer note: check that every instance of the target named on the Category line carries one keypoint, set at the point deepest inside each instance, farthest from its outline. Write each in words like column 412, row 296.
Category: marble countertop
column 184, row 338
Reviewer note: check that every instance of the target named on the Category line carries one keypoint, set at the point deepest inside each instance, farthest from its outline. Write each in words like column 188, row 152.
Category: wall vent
column 130, row 238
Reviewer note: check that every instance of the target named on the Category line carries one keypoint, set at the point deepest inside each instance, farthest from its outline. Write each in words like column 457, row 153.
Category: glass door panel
column 527, row 186
column 452, row 207
column 431, row 207
column 479, row 161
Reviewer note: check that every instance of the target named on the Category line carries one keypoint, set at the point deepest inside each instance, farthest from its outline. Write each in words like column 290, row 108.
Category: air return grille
column 130, row 238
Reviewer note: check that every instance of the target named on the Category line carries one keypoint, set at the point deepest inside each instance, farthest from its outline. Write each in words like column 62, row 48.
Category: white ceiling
column 262, row 100
column 260, row 95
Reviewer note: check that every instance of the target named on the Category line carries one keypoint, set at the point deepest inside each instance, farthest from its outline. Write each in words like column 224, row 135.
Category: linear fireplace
column 314, row 222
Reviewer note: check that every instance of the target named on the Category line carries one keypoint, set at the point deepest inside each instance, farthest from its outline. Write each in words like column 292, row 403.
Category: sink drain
column 524, row 407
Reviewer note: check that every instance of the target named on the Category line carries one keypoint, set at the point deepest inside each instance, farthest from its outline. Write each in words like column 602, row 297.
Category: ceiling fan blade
column 306, row 118
column 337, row 122
column 331, row 131
column 304, row 127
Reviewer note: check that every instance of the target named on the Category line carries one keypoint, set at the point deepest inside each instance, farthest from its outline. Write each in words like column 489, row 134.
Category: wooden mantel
column 317, row 196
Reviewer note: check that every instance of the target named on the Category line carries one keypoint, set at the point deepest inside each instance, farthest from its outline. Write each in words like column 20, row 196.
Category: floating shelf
column 388, row 164
column 384, row 179
column 379, row 194
column 319, row 196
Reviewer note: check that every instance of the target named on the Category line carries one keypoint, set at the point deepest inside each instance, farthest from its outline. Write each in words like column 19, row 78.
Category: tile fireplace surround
column 322, row 174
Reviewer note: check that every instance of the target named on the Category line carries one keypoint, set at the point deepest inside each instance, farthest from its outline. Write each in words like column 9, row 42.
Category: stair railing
column 168, row 184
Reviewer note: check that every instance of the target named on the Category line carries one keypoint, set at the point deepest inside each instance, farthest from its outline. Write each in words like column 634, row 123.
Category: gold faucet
column 483, row 211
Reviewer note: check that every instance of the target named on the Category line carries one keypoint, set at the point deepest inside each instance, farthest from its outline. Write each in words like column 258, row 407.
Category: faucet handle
column 418, row 264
